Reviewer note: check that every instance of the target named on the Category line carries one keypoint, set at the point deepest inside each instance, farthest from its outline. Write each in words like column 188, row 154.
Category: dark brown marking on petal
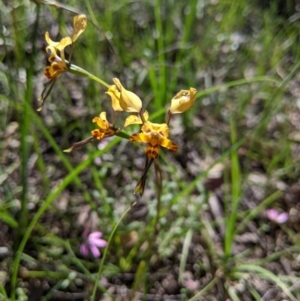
column 152, row 152
column 133, row 137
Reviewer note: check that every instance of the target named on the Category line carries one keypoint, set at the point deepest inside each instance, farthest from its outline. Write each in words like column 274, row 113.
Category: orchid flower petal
column 79, row 26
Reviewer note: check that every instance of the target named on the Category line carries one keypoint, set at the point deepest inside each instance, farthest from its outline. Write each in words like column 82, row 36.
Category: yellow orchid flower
column 182, row 101
column 128, row 101
column 155, row 135
column 58, row 63
column 61, row 45
column 53, row 71
column 105, row 130
column 79, row 25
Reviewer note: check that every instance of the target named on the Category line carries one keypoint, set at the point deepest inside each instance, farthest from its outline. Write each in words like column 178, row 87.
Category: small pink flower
column 275, row 216
column 191, row 284
column 92, row 241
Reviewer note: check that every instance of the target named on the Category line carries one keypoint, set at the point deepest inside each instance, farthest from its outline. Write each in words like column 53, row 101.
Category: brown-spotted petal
column 161, row 128
column 169, row 145
column 101, row 121
column 54, row 69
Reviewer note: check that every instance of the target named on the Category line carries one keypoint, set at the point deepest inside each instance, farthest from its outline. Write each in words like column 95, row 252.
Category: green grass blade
column 161, row 92
column 235, row 191
column 8, row 219
column 255, row 211
column 206, row 289
column 266, row 274
column 238, row 82
column 25, row 149
column 184, row 255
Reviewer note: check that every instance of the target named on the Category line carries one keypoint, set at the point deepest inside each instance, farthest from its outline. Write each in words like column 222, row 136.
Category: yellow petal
column 146, row 115
column 114, row 93
column 101, row 121
column 49, row 41
column 61, row 45
column 183, row 100
column 169, row 144
column 52, row 54
column 133, row 119
column 140, row 137
column 79, row 25
column 150, row 127
column 64, row 42
column 129, row 101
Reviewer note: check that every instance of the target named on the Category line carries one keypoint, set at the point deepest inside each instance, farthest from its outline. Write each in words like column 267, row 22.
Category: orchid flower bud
column 129, row 101
column 183, row 100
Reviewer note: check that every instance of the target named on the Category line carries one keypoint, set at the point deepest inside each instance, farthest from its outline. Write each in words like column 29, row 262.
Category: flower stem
column 168, row 118
column 78, row 144
column 79, row 71
column 142, row 117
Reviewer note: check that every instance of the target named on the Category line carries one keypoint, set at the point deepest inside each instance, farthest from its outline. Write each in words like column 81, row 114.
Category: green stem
column 79, row 71
column 158, row 176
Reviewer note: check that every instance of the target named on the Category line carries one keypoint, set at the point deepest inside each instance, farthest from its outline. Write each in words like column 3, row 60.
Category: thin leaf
column 264, row 273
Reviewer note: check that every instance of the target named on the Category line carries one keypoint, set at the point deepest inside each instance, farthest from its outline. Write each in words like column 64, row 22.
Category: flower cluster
column 154, row 135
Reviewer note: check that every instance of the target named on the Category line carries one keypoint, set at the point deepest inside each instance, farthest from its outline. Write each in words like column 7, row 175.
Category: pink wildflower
column 92, row 241
column 191, row 284
column 275, row 216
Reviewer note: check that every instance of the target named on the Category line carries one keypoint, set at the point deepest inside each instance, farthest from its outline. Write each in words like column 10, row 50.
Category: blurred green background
column 208, row 236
